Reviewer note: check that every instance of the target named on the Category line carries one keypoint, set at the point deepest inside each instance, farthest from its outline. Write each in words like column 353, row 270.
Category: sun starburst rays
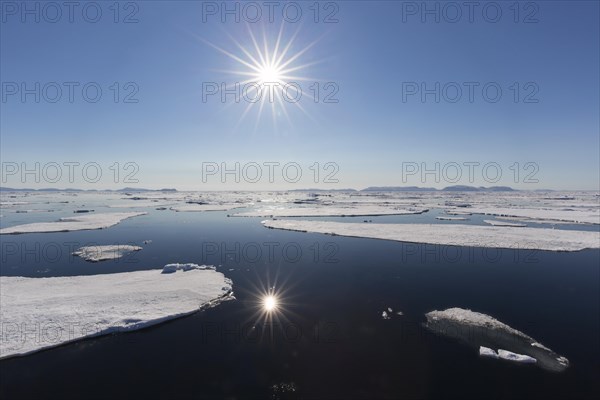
column 268, row 72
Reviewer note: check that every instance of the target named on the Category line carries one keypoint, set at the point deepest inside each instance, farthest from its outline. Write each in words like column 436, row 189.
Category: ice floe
column 506, row 355
column 107, row 252
column 38, row 313
column 330, row 211
column 503, row 223
column 442, row 218
column 452, row 234
column 194, row 207
column 77, row 223
column 487, row 333
column 576, row 216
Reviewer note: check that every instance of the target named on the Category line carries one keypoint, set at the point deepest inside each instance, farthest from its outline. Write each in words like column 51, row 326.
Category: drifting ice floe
column 78, row 223
column 101, row 253
column 330, row 211
column 486, row 333
column 442, row 218
column 452, row 235
column 506, row 355
column 37, row 313
column 503, row 223
column 576, row 216
column 205, row 207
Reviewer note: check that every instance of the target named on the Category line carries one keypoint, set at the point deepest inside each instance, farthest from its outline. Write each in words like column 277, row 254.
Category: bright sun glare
column 264, row 62
column 269, row 73
column 270, row 303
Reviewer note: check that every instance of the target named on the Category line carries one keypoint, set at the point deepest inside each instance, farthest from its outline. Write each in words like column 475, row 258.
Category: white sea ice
column 442, row 218
column 193, row 207
column 76, row 223
column 503, row 223
column 506, row 355
column 567, row 215
column 331, row 211
column 510, row 356
column 487, row 333
column 107, row 252
column 38, row 313
column 452, row 234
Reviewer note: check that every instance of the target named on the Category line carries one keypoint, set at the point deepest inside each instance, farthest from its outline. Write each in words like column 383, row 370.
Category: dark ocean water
column 328, row 339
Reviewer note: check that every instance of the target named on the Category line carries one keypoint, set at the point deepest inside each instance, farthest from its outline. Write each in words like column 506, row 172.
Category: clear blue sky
column 370, row 54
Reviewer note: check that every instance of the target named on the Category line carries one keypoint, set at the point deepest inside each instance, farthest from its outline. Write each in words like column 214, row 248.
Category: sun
column 270, row 303
column 268, row 74
column 270, row 63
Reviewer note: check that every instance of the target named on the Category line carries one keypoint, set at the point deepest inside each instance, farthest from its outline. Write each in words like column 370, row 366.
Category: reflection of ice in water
column 486, row 333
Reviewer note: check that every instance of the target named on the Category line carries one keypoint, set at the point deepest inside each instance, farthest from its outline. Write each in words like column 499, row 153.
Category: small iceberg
column 102, row 253
column 487, row 333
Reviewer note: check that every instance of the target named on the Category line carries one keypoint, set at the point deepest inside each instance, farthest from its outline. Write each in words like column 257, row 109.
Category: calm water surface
column 329, row 338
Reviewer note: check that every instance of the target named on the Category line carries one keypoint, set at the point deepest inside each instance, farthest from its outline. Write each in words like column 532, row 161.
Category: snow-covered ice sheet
column 486, row 333
column 330, row 211
column 76, row 223
column 105, row 252
column 37, row 313
column 452, row 234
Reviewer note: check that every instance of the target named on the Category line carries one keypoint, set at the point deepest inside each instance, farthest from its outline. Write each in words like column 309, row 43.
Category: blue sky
column 373, row 55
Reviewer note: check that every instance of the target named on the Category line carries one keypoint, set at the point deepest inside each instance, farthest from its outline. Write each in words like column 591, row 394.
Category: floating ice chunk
column 331, row 211
column 506, row 355
column 457, row 212
column 385, row 315
column 576, row 216
column 487, row 352
column 452, row 234
column 503, row 223
column 510, row 356
column 486, row 333
column 64, row 309
column 77, row 223
column 171, row 268
column 442, row 218
column 194, row 207
column 101, row 253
